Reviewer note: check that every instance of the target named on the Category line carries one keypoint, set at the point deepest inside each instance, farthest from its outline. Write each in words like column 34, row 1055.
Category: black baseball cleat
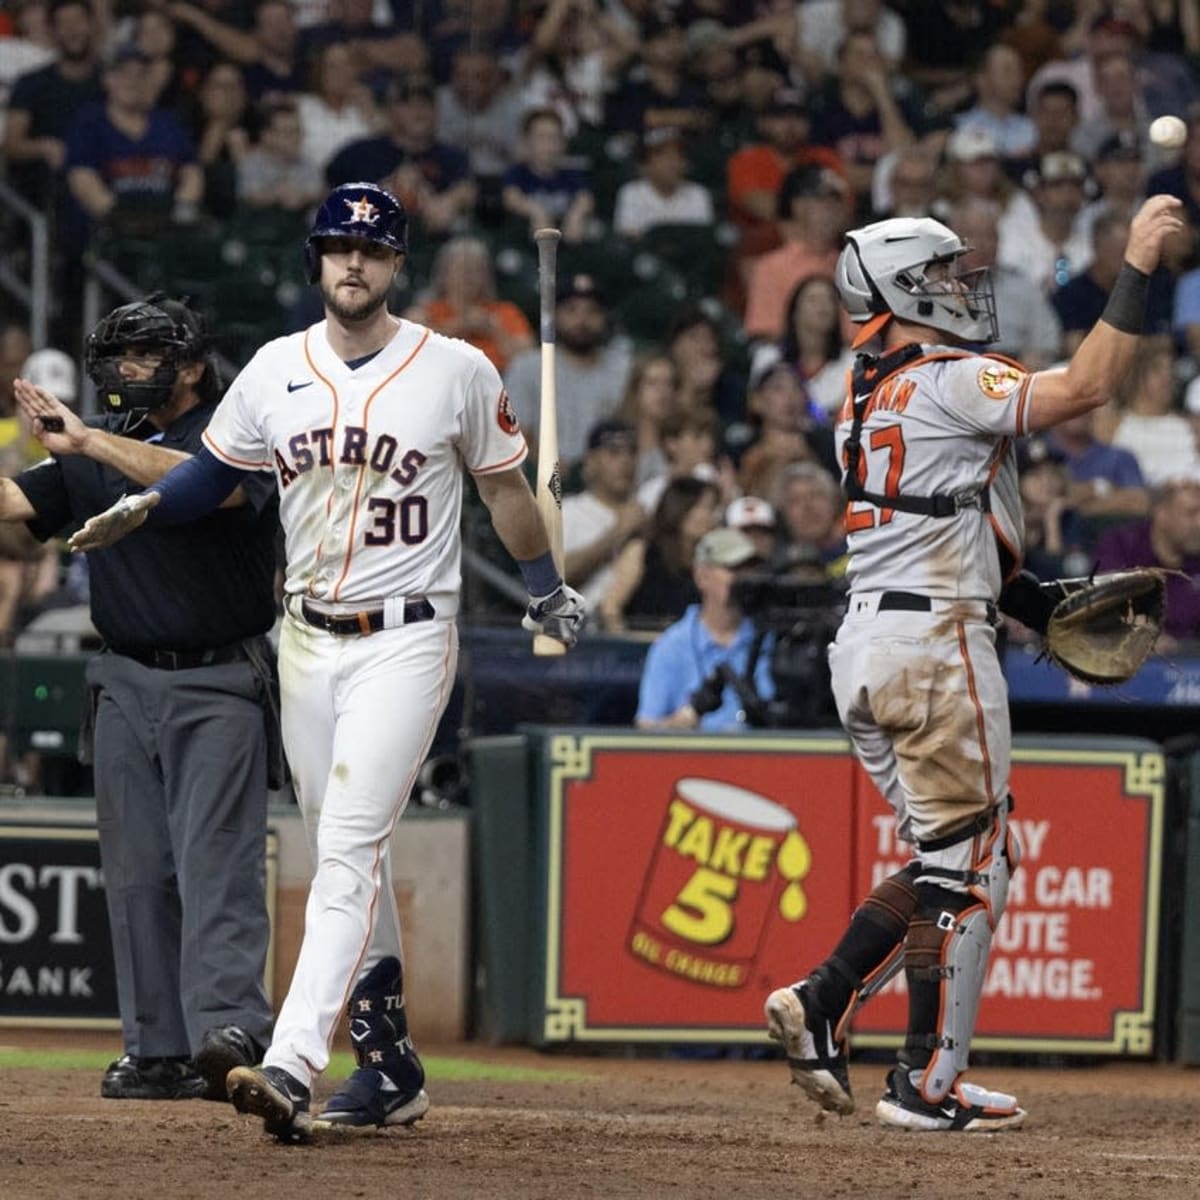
column 966, row 1108
column 221, row 1049
column 817, row 1060
column 370, row 1100
column 279, row 1098
column 134, row 1078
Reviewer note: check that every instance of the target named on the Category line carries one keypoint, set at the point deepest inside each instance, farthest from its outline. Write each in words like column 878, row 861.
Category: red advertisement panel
column 688, row 877
column 1073, row 956
column 693, row 881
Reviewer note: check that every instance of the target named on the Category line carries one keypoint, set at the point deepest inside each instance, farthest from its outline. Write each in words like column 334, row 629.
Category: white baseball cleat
column 967, row 1108
column 816, row 1059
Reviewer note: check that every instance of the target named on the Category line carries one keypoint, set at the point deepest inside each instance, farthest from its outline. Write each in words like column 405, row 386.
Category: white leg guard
column 963, row 891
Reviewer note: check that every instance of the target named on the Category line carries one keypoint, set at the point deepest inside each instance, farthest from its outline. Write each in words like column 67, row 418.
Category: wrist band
column 540, row 574
column 1126, row 307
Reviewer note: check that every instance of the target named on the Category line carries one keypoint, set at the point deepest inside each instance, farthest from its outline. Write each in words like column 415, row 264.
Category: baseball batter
column 934, row 532
column 366, row 421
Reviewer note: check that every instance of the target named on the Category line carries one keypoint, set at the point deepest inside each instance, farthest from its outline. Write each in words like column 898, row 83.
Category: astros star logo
column 362, row 211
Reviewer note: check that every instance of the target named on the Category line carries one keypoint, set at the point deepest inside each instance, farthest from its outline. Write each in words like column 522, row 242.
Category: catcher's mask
column 907, row 267
column 155, row 326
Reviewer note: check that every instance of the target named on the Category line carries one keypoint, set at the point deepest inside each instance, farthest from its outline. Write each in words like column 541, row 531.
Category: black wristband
column 1126, row 307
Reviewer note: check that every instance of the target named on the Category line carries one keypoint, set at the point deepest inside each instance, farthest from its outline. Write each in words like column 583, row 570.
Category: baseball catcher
column 1098, row 629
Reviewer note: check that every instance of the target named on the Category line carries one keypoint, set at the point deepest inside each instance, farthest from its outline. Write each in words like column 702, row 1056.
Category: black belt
column 186, row 660
column 368, row 621
column 911, row 602
column 905, row 602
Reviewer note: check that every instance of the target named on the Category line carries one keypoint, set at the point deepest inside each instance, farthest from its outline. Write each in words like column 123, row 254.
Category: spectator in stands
column 790, row 429
column 194, row 54
column 999, row 88
column 463, row 303
column 27, row 45
column 651, row 397
column 44, row 102
column 812, row 505
column 1122, row 108
column 663, row 195
column 689, row 449
column 1081, row 300
column 274, row 173
column 652, row 582
column 1169, row 538
column 712, row 63
column 269, row 53
column 812, row 344
column 754, row 517
column 130, row 164
column 706, row 380
column 540, row 189
column 431, row 178
column 813, row 212
column 1053, row 534
column 590, row 366
column 904, row 183
column 222, row 135
column 1055, row 114
column 756, row 172
column 15, row 347
column 825, row 25
column 573, row 53
column 1120, row 172
column 973, row 172
column 154, row 36
column 656, row 92
column 339, row 109
column 479, row 111
column 1054, row 248
column 598, row 521
column 1159, row 436
column 380, row 51
column 857, row 115
column 711, row 637
column 1106, row 480
column 1029, row 326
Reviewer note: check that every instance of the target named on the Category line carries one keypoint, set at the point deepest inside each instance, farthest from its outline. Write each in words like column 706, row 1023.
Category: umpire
column 183, row 704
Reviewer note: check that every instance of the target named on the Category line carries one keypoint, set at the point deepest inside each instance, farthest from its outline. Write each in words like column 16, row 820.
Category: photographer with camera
column 696, row 673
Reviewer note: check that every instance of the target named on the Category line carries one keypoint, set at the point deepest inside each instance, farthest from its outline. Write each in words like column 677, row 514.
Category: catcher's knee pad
column 949, row 942
column 977, row 860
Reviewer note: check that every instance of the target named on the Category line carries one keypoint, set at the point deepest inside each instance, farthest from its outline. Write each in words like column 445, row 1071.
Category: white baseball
column 1168, row 132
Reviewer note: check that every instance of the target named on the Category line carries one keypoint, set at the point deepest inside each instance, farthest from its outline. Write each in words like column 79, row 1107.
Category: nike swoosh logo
column 295, row 387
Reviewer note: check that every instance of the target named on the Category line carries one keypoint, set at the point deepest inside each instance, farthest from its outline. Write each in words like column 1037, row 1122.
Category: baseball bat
column 549, row 482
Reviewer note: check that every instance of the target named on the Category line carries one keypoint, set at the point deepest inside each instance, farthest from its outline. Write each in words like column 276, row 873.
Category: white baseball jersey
column 369, row 461
column 941, row 424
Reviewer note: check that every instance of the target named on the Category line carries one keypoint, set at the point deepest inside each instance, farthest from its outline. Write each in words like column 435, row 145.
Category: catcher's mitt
column 1103, row 628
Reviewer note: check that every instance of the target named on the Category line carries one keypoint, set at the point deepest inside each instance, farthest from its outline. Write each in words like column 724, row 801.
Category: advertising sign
column 687, row 877
column 56, row 965
column 1073, row 961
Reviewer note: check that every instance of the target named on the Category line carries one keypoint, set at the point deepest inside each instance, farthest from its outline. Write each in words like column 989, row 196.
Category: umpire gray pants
column 181, row 805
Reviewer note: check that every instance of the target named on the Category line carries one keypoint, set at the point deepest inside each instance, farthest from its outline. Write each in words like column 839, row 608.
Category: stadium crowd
column 702, row 159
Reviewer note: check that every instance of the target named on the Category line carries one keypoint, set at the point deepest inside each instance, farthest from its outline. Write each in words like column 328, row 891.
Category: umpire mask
column 155, row 326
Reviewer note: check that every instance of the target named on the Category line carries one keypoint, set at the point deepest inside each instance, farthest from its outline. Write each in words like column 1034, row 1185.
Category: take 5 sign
column 687, row 877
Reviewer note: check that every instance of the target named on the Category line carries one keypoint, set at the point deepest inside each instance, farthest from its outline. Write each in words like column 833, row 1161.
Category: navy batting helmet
column 360, row 210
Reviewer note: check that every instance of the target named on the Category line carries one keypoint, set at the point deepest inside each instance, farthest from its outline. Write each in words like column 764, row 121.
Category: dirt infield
column 627, row 1128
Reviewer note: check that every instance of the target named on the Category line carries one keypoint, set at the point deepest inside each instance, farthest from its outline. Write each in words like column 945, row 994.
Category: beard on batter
column 353, row 306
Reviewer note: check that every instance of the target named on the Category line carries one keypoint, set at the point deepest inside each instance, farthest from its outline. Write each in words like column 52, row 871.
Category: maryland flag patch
column 999, row 380
column 506, row 416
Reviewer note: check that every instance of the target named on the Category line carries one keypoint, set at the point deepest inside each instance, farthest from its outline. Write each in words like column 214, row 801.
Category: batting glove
column 559, row 615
